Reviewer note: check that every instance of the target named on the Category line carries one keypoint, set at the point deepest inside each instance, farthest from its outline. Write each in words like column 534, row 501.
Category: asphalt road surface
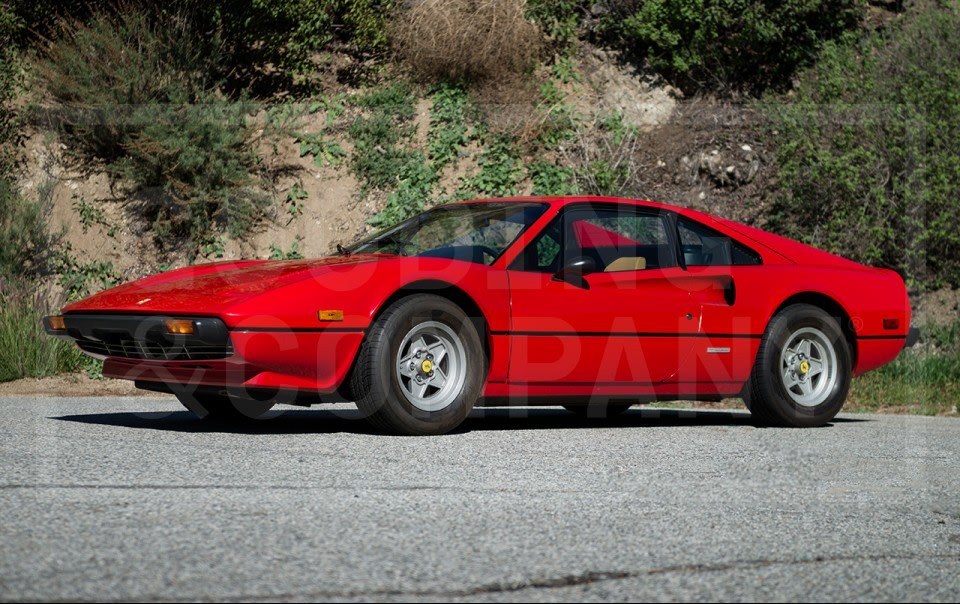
column 134, row 499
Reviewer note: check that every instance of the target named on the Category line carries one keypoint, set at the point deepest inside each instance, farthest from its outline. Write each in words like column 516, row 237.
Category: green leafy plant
column 324, row 152
column 295, row 197
column 416, row 180
column 80, row 279
column 214, row 248
column 559, row 20
column 550, row 179
column 89, row 213
column 449, row 129
column 867, row 149
column 383, row 157
column 500, row 171
column 729, row 43
column 277, row 253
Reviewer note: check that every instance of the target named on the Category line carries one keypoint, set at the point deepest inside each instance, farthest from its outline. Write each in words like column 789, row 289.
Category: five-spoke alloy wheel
column 802, row 372
column 420, row 368
column 431, row 365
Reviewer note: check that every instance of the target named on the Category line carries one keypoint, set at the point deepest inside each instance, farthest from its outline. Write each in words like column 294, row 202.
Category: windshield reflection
column 474, row 232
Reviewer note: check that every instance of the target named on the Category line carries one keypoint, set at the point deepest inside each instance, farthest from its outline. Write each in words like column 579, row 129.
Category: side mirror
column 574, row 272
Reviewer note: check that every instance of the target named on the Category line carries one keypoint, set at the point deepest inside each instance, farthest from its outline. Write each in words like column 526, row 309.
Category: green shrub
column 729, row 43
column 25, row 351
column 868, row 154
column 11, row 79
column 285, row 33
column 137, row 93
column 559, row 20
column 550, row 179
column 25, row 243
column 198, row 158
column 449, row 125
column 416, row 180
column 380, row 156
column 102, row 72
column 268, row 45
column 501, row 170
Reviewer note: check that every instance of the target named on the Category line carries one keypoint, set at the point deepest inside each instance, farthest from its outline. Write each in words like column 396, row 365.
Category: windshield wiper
column 342, row 250
column 400, row 245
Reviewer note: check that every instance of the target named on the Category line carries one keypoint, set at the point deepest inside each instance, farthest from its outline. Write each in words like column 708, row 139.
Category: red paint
column 629, row 334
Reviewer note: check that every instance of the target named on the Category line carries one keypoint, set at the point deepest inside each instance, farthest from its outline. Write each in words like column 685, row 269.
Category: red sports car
column 592, row 303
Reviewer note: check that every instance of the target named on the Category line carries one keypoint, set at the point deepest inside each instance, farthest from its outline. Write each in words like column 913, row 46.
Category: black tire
column 219, row 407
column 599, row 410
column 375, row 381
column 766, row 392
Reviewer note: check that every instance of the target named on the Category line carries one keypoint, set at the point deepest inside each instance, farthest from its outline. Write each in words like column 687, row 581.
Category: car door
column 732, row 324
column 632, row 321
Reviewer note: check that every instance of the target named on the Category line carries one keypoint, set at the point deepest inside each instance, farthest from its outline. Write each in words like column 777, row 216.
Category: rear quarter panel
column 867, row 296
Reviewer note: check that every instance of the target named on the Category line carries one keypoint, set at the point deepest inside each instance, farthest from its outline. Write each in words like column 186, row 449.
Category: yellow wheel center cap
column 426, row 366
column 804, row 367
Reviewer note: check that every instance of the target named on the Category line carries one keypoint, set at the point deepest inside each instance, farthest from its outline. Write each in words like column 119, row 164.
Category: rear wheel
column 211, row 406
column 802, row 372
column 421, row 367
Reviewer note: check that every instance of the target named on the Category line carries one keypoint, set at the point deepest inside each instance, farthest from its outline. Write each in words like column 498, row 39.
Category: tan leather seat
column 627, row 263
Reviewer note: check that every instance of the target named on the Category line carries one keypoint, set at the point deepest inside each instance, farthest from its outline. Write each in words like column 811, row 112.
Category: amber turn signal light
column 330, row 315
column 179, row 327
column 57, row 323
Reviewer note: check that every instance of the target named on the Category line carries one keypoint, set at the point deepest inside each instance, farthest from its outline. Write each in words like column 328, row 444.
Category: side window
column 543, row 254
column 615, row 239
column 703, row 246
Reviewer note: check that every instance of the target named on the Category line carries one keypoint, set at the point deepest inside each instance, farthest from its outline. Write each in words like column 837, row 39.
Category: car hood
column 211, row 288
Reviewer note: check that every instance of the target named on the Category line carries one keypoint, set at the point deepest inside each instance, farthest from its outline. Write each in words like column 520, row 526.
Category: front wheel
column 802, row 372
column 420, row 368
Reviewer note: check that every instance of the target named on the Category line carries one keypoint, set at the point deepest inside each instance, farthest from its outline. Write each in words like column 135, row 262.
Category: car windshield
column 475, row 232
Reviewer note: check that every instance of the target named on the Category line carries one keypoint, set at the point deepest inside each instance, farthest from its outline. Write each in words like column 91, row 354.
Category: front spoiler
column 912, row 337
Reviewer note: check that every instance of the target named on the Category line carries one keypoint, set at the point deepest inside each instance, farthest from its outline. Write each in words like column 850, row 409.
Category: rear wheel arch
column 828, row 305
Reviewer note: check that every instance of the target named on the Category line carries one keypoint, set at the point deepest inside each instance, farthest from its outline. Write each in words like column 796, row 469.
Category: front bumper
column 134, row 347
column 284, row 360
column 144, row 337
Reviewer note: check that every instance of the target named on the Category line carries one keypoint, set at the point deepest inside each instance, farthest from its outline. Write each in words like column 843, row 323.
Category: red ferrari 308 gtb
column 592, row 303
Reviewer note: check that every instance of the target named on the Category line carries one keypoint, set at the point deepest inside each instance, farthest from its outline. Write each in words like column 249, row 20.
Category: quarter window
column 703, row 246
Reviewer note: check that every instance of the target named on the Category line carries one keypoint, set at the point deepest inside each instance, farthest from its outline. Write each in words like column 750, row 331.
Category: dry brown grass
column 477, row 41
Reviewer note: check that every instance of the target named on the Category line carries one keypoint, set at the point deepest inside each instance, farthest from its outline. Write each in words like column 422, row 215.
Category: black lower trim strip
column 651, row 384
column 881, row 337
column 299, row 329
column 626, row 334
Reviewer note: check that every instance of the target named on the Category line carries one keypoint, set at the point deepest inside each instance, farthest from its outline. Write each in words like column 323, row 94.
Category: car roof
column 567, row 200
